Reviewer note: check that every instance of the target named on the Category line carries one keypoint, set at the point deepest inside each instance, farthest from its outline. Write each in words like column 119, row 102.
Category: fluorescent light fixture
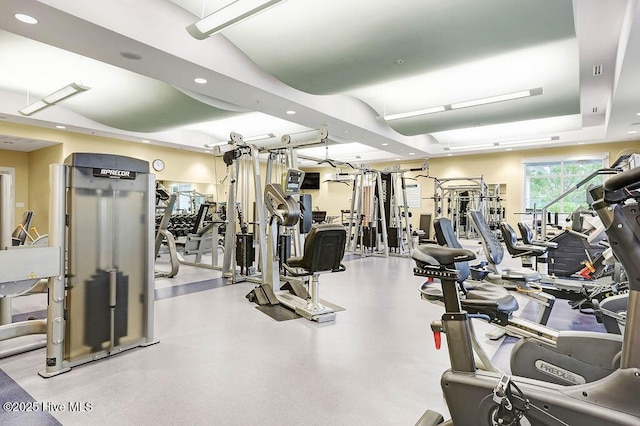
column 34, row 107
column 484, row 145
column 291, row 112
column 145, row 141
column 53, row 98
column 498, row 98
column 425, row 111
column 529, row 141
column 385, row 144
column 412, row 153
column 60, row 127
column 466, row 104
column 234, row 13
column 25, row 18
column 200, row 80
column 64, row 93
column 632, row 132
column 259, row 137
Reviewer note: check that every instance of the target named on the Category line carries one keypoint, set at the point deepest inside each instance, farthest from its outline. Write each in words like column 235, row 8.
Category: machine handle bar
column 623, row 180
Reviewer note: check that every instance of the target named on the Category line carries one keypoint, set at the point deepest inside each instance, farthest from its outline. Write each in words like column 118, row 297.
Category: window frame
column 604, row 157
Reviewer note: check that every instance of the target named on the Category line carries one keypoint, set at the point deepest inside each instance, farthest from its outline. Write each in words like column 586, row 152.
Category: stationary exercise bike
column 543, row 353
column 489, row 398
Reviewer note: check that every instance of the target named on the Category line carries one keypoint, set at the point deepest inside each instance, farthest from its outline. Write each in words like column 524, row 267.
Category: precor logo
column 560, row 373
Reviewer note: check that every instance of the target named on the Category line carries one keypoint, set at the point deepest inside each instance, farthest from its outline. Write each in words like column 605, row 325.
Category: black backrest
column 324, row 248
column 526, row 233
column 510, row 238
column 19, row 235
column 446, row 237
column 492, row 248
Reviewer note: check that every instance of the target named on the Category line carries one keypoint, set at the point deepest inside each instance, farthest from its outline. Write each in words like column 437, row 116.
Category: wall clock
column 158, row 165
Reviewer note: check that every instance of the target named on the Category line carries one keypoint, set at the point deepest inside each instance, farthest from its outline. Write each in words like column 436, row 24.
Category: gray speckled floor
column 221, row 361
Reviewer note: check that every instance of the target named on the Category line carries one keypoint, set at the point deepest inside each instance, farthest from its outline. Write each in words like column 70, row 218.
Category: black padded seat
column 515, row 249
column 434, row 255
column 478, row 298
column 19, row 235
column 527, row 237
column 495, row 293
column 522, row 275
column 323, row 250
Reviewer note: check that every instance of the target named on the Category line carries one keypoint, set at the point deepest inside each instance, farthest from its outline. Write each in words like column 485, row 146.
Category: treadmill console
column 292, row 181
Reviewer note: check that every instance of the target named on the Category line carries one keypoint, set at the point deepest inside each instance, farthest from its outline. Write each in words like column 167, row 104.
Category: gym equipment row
column 476, row 396
column 98, row 263
column 455, row 197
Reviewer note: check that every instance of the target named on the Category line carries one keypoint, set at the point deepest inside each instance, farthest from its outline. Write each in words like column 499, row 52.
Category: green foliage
column 546, row 181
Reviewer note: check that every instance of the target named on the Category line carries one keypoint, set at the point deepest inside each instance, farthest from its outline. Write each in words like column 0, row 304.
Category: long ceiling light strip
column 466, row 104
column 522, row 142
column 529, row 141
column 53, row 98
column 463, row 147
column 425, row 111
column 229, row 15
column 492, row 99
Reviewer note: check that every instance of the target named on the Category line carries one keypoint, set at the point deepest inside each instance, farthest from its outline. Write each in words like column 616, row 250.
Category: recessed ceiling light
column 385, row 144
column 200, row 80
column 632, row 131
column 397, row 159
column 25, row 18
column 449, row 155
column 509, row 149
column 580, row 143
column 412, row 153
column 291, row 112
column 145, row 141
column 60, row 127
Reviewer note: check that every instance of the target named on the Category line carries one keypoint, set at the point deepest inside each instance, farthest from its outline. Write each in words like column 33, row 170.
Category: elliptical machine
column 489, row 398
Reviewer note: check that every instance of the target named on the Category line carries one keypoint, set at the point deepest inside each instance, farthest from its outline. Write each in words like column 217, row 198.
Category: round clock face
column 158, row 165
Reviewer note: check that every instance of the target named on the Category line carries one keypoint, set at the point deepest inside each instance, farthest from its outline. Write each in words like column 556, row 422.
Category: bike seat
column 494, row 293
column 431, row 254
column 480, row 298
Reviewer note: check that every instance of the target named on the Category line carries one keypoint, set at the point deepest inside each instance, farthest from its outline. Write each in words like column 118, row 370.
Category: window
column 546, row 179
column 183, row 202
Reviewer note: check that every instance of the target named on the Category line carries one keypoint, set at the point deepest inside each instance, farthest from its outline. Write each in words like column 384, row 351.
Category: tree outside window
column 546, row 180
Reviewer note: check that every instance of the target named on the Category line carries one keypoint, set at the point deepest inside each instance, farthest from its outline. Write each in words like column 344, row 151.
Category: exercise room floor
column 221, row 361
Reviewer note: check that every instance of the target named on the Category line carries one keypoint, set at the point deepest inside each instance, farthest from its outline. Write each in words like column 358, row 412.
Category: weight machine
column 243, row 165
column 453, row 198
column 164, row 208
column 99, row 262
column 368, row 210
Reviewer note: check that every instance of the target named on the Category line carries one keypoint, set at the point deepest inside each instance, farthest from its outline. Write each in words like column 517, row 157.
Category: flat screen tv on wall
column 311, row 181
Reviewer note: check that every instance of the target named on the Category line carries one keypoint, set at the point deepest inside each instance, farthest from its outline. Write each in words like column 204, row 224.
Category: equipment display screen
column 293, row 181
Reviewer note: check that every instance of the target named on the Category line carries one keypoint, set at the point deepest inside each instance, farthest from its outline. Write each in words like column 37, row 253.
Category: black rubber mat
column 280, row 313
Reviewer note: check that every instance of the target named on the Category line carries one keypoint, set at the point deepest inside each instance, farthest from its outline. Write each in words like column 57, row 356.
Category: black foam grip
column 623, row 180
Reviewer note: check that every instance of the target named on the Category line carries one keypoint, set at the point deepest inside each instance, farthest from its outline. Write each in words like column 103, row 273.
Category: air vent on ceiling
column 597, row 70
